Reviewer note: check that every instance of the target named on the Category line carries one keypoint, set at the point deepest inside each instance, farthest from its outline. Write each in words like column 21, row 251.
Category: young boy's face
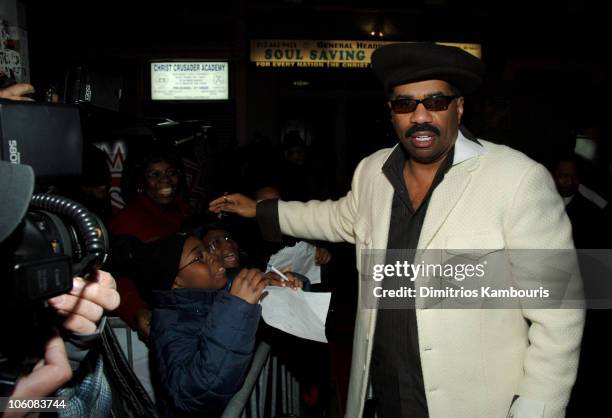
column 198, row 268
column 220, row 243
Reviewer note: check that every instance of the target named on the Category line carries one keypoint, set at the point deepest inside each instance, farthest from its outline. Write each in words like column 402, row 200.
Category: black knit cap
column 158, row 263
column 402, row 63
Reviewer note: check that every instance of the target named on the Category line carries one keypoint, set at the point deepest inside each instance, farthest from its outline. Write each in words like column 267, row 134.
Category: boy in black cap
column 202, row 332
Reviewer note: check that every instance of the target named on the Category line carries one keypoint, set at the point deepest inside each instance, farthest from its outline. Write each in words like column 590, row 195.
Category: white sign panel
column 189, row 81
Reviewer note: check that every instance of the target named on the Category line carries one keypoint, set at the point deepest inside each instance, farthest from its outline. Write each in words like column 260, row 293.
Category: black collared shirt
column 397, row 378
column 396, row 375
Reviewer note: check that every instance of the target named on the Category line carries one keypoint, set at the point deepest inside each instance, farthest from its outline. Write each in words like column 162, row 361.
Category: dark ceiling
column 564, row 37
column 550, row 49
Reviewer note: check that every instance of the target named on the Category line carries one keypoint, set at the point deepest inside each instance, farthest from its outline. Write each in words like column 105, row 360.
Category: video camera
column 54, row 241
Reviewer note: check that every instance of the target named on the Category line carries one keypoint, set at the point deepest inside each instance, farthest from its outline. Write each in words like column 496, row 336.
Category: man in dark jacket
column 587, row 218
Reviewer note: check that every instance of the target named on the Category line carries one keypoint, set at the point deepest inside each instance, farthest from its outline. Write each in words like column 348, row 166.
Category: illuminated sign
column 201, row 80
column 325, row 54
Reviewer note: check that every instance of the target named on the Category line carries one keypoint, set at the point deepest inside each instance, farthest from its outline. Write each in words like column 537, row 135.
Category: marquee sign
column 324, row 54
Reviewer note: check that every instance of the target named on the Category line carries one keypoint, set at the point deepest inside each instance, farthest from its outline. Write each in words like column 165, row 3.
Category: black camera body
column 59, row 239
column 56, row 240
column 45, row 136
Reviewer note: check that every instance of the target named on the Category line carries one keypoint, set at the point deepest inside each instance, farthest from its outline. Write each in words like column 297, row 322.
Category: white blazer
column 474, row 360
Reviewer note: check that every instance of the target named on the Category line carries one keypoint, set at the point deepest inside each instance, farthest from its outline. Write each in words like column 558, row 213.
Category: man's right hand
column 249, row 285
column 234, row 203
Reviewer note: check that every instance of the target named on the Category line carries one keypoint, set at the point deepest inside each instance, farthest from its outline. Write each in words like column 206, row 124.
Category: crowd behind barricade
column 190, row 289
column 186, row 285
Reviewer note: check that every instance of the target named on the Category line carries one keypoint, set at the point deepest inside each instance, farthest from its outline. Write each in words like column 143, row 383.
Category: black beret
column 402, row 63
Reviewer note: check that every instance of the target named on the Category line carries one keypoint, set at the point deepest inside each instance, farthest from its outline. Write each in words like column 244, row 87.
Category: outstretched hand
column 234, row 203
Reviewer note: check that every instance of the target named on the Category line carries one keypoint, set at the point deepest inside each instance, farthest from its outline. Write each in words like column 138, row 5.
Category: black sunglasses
column 433, row 103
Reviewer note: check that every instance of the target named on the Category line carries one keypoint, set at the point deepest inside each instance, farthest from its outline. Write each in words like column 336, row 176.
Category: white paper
column 296, row 312
column 300, row 258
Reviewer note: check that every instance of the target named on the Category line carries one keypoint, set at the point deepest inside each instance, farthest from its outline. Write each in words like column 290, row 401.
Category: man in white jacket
column 441, row 189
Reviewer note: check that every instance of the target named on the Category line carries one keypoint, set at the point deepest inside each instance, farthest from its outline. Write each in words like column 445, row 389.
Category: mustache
column 422, row 127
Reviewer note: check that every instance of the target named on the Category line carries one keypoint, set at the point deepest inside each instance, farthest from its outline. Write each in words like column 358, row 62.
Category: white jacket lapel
column 452, row 187
column 442, row 202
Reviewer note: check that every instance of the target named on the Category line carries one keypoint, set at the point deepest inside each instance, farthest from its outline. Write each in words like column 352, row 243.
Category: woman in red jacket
column 155, row 212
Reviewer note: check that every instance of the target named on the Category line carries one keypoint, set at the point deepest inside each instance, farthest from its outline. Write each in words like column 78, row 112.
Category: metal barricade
column 269, row 390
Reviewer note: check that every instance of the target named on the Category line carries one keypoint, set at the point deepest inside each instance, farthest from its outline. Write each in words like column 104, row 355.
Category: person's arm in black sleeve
column 268, row 221
column 78, row 345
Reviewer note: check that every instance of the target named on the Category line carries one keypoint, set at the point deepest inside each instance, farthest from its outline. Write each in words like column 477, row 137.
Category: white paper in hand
column 297, row 313
column 301, row 259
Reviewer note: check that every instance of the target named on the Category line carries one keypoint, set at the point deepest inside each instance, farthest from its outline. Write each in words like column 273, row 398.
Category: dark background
column 548, row 76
